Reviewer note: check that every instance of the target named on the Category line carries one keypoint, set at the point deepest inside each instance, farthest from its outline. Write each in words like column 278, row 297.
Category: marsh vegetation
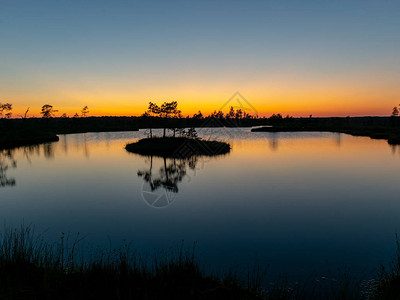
column 31, row 268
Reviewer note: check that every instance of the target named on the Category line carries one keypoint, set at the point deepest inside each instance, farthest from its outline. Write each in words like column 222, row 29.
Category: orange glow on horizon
column 302, row 108
column 301, row 99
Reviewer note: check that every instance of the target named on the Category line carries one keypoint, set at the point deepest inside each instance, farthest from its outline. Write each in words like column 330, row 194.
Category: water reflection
column 394, row 148
column 48, row 151
column 338, row 139
column 162, row 177
column 273, row 143
column 297, row 203
column 7, row 161
column 79, row 142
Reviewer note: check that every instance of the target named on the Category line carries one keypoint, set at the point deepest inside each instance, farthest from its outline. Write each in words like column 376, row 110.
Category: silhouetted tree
column 199, row 115
column 395, row 112
column 239, row 114
column 5, row 107
column 231, row 113
column 276, row 117
column 169, row 110
column 85, row 111
column 48, row 111
column 152, row 110
column 64, row 116
column 76, row 115
column 247, row 115
column 219, row 115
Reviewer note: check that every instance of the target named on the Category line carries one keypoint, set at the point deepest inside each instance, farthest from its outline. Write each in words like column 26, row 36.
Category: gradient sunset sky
column 325, row 58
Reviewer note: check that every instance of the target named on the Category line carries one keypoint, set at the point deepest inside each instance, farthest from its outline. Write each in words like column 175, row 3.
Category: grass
column 31, row 268
column 387, row 283
column 180, row 147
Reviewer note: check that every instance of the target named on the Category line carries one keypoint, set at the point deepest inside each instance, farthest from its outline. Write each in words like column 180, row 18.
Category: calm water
column 299, row 202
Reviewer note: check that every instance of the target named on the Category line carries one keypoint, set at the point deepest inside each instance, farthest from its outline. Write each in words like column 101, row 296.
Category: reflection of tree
column 32, row 150
column 65, row 143
column 339, row 139
column 85, row 145
column 48, row 150
column 273, row 142
column 394, row 148
column 6, row 161
column 169, row 175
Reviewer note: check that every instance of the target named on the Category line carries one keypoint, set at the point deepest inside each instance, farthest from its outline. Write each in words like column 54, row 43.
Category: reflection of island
column 172, row 171
column 176, row 155
column 162, row 177
column 161, row 181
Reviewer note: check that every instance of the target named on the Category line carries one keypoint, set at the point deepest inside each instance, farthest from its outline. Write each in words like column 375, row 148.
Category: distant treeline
column 16, row 132
column 21, row 132
column 96, row 124
column 375, row 127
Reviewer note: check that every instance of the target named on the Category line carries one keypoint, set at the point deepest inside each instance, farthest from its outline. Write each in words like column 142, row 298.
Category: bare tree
column 26, row 112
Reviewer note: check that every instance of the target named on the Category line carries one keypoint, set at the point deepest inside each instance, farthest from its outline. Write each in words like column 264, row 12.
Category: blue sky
column 74, row 53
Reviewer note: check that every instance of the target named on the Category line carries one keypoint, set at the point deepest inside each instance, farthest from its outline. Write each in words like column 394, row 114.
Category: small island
column 178, row 147
column 184, row 143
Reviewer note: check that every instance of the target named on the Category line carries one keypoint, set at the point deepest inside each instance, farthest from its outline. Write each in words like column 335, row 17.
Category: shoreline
column 24, row 132
column 389, row 133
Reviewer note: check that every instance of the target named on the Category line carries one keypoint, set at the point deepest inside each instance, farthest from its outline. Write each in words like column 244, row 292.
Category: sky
column 325, row 58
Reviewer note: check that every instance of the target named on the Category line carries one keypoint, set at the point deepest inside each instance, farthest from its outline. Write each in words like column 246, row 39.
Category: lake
column 303, row 203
